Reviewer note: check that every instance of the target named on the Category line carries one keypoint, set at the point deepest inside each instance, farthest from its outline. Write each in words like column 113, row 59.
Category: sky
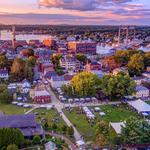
column 78, row 12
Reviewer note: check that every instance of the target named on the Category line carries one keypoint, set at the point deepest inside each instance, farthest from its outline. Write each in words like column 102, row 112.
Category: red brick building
column 82, row 47
column 42, row 97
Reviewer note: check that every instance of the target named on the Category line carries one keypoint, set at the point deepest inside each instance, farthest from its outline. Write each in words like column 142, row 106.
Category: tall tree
column 103, row 128
column 110, row 63
column 136, row 131
column 17, row 68
column 117, row 86
column 31, row 61
column 55, row 59
column 136, row 64
column 30, row 52
column 100, row 140
column 147, row 59
column 102, row 133
column 85, row 84
column 29, row 66
column 3, row 61
column 6, row 97
column 36, row 139
column 122, row 57
column 11, row 136
column 81, row 58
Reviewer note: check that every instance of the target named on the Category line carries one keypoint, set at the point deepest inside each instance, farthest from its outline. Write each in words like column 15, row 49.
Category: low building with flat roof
column 82, row 47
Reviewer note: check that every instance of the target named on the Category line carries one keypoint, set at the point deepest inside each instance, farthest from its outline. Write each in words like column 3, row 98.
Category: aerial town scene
column 74, row 75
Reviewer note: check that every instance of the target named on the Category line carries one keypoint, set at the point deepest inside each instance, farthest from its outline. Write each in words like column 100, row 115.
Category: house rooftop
column 138, row 78
column 58, row 78
column 42, row 93
column 147, row 72
column 141, row 88
column 3, row 71
column 17, row 121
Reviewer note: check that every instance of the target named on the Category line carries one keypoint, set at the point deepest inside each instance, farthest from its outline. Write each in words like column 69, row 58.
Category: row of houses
column 142, row 82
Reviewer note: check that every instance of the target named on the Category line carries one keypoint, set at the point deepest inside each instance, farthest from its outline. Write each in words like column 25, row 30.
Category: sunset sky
column 88, row 12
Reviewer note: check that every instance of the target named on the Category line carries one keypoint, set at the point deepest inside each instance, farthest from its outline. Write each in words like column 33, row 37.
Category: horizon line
column 20, row 24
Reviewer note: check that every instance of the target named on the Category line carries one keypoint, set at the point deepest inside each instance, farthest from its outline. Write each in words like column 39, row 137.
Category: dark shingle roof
column 17, row 121
column 38, row 130
column 2, row 71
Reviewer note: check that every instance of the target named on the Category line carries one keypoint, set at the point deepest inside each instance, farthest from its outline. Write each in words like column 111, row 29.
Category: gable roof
column 140, row 105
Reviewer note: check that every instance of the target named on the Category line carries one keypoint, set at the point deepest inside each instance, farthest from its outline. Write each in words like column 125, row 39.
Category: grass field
column 113, row 114
column 81, row 123
column 10, row 109
column 116, row 113
column 50, row 116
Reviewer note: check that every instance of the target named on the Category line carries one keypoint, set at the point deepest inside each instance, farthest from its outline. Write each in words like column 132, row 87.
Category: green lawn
column 49, row 115
column 116, row 113
column 10, row 109
column 82, row 125
column 113, row 114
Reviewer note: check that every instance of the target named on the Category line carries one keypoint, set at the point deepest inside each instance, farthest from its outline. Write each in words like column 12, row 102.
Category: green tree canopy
column 17, row 68
column 117, row 86
column 6, row 97
column 122, row 57
column 136, row 131
column 3, row 61
column 136, row 64
column 36, row 139
column 85, row 84
column 81, row 58
column 11, row 136
column 102, row 133
column 55, row 59
column 31, row 61
column 102, row 127
column 147, row 59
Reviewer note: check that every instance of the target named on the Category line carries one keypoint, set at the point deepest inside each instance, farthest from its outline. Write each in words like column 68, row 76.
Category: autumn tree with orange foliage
column 110, row 63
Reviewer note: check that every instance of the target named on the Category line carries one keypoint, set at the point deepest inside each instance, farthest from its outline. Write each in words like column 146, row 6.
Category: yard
column 52, row 116
column 116, row 113
column 81, row 123
column 10, row 109
column 113, row 114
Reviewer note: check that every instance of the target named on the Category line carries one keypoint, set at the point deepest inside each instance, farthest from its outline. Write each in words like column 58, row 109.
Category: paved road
column 90, row 104
column 33, row 108
column 59, row 106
